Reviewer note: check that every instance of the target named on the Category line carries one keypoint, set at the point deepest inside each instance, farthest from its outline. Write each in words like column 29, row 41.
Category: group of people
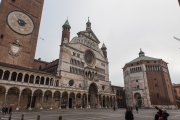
column 6, row 110
column 160, row 115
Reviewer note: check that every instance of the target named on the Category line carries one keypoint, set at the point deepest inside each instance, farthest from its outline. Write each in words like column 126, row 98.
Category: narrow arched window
column 40, row 67
column 157, row 95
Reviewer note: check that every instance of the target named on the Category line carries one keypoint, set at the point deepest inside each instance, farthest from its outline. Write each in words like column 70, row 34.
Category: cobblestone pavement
column 90, row 114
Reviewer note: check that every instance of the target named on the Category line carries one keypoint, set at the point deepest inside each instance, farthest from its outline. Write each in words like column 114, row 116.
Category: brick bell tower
column 66, row 32
column 19, row 28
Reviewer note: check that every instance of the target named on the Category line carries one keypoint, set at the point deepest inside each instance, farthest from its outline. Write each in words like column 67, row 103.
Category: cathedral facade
column 79, row 78
column 148, row 83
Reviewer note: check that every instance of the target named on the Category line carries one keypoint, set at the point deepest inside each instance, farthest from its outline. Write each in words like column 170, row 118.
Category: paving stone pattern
column 90, row 114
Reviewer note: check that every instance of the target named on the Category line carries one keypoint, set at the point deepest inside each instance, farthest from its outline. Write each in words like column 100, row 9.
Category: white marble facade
column 82, row 61
column 136, row 86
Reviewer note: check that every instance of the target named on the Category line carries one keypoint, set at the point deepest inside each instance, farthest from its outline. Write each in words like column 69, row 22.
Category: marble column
column 97, row 100
column 51, row 101
column 115, row 101
column 112, row 101
column 49, row 81
column 31, row 102
column 39, row 80
column 109, row 102
column 34, row 80
column 81, row 101
column 101, row 101
column 17, row 76
column 67, row 107
column 75, row 102
column 44, row 81
column 2, row 75
column 17, row 108
column 10, row 74
column 29, row 78
column 23, row 78
column 4, row 101
column 60, row 98
column 42, row 100
column 87, row 102
column 105, row 101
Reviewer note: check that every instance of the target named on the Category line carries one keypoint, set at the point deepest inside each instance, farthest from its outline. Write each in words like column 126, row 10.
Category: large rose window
column 89, row 57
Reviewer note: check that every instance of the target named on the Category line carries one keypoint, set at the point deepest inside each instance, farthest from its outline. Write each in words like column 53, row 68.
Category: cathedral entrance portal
column 93, row 95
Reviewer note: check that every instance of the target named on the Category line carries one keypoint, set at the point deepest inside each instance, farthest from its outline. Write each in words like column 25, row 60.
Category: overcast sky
column 125, row 26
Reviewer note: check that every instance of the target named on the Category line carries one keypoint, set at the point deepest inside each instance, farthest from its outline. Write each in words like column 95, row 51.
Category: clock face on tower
column 20, row 23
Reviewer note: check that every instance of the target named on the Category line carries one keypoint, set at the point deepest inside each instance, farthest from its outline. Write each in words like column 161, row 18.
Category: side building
column 120, row 96
column 176, row 88
column 148, row 83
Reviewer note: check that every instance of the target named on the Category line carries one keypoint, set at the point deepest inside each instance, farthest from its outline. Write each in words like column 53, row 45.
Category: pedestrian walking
column 114, row 108
column 137, row 109
column 131, row 109
column 165, row 114
column 129, row 114
column 3, row 110
column 6, row 110
column 10, row 110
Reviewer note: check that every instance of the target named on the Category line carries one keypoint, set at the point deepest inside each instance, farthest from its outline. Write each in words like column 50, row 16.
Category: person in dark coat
column 114, row 108
column 137, row 109
column 10, row 110
column 158, row 114
column 165, row 114
column 5, row 110
column 128, row 114
column 131, row 109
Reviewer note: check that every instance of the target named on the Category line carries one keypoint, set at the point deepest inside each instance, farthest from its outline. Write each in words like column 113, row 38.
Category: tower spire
column 141, row 53
column 104, row 50
column 88, row 25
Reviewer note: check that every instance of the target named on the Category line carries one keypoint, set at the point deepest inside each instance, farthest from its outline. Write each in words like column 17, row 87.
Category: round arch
column 137, row 99
column 12, row 97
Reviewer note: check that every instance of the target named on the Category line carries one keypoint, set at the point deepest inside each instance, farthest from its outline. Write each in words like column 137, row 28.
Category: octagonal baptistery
column 148, row 83
column 84, row 64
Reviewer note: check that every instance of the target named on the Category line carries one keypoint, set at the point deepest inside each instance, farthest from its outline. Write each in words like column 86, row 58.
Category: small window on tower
column 156, row 85
column 157, row 95
column 154, row 61
column 131, row 64
column 147, row 61
column 137, row 63
column 137, row 86
column 74, row 54
column 136, row 80
column 154, row 79
column 2, row 36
